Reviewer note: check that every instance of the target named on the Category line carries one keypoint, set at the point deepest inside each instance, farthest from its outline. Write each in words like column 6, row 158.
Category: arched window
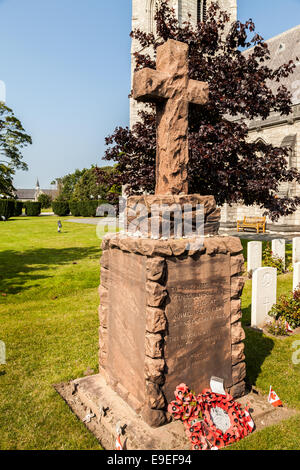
column 201, row 10
column 151, row 10
column 289, row 143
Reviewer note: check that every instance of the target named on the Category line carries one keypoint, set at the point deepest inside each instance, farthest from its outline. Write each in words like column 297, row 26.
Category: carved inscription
column 198, row 344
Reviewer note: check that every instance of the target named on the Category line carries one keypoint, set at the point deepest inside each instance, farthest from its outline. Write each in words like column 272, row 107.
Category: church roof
column 49, row 192
column 25, row 193
column 283, row 48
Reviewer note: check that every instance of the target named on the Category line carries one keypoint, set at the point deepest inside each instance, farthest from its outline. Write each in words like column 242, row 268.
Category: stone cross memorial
column 170, row 87
column 170, row 311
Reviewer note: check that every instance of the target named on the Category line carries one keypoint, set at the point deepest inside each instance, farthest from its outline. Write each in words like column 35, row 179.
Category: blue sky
column 66, row 66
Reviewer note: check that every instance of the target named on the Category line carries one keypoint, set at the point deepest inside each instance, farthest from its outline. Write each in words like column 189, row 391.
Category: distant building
column 33, row 194
column 280, row 131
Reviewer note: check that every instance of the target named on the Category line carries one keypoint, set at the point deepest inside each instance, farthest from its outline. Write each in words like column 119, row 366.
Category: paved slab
column 288, row 237
column 91, row 395
column 267, row 237
column 92, row 220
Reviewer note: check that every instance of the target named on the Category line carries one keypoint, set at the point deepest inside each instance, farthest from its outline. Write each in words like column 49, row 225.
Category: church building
column 280, row 131
column 276, row 130
column 33, row 194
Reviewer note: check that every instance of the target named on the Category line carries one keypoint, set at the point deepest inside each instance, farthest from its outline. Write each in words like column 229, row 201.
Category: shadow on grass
column 257, row 348
column 16, row 219
column 17, row 268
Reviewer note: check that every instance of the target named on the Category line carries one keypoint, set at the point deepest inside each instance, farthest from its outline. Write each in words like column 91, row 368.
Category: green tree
column 67, row 183
column 88, row 186
column 12, row 139
column 45, row 200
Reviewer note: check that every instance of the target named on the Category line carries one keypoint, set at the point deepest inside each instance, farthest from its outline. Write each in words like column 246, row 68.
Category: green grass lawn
column 49, row 322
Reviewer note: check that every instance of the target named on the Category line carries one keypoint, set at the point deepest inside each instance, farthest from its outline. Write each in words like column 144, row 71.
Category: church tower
column 143, row 12
column 37, row 190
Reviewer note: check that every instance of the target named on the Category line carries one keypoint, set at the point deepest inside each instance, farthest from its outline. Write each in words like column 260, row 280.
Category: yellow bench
column 258, row 223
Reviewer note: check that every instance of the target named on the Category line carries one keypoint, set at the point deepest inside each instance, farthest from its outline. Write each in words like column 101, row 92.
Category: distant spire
column 37, row 183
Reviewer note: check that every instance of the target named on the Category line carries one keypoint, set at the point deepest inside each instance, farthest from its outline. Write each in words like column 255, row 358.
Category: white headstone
column 296, row 250
column 278, row 249
column 254, row 256
column 122, row 209
column 264, row 289
column 296, row 275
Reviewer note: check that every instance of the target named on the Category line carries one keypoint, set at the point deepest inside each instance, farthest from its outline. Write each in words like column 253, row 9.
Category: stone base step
column 92, row 395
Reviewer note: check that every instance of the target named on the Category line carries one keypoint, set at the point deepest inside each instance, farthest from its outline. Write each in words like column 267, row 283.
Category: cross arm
column 150, row 85
column 197, row 92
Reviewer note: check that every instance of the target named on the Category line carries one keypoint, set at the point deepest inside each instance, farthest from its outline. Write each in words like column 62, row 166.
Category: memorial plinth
column 170, row 309
column 171, row 214
column 170, row 313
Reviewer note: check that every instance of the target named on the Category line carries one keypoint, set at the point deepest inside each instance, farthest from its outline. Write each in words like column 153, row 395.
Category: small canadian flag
column 119, row 443
column 288, row 328
column 274, row 398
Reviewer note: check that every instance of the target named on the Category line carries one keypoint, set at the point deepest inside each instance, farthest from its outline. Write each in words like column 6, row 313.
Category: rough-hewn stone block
column 103, row 293
column 155, row 268
column 238, row 390
column 156, row 294
column 234, row 245
column 154, row 345
column 238, row 373
column 103, row 312
column 237, row 285
column 155, row 397
column 104, row 260
column 103, row 338
column 155, row 320
column 236, row 310
column 237, row 264
column 154, row 369
column 237, row 333
column 237, row 353
column 155, row 418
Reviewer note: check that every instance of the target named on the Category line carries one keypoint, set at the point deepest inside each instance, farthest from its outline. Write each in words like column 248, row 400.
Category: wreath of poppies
column 196, row 414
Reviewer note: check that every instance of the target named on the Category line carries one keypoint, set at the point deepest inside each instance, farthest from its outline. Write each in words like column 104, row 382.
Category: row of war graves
column 264, row 279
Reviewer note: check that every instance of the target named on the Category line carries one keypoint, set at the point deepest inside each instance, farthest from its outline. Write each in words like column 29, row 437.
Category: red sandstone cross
column 170, row 87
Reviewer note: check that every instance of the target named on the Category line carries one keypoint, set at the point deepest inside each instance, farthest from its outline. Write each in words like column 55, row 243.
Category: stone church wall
column 274, row 135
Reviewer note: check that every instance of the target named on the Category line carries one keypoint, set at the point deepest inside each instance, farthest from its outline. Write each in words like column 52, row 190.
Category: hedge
column 61, row 208
column 7, row 208
column 74, row 208
column 85, row 208
column 18, row 208
column 88, row 208
column 32, row 209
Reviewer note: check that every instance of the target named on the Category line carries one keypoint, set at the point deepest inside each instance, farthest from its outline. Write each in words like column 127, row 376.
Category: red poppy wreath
column 211, row 421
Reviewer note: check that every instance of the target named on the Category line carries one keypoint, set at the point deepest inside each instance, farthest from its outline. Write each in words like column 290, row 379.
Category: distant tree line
column 83, row 185
column 81, row 193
